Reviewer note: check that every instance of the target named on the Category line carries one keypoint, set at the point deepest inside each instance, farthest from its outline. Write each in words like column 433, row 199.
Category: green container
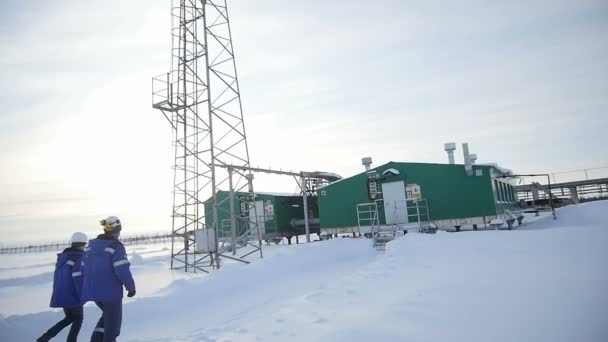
column 449, row 192
column 276, row 214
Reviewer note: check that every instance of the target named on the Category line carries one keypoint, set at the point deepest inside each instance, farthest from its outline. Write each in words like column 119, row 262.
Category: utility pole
column 305, row 199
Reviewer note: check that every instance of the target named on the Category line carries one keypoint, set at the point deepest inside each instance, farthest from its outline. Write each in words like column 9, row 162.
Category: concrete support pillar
column 535, row 195
column 573, row 194
column 510, row 223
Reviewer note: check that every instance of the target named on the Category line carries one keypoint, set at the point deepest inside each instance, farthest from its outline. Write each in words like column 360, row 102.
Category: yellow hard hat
column 111, row 223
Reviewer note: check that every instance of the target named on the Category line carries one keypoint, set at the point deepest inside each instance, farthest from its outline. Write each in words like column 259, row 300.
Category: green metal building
column 279, row 215
column 410, row 193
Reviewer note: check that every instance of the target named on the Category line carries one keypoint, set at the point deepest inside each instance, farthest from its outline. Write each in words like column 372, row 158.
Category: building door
column 259, row 210
column 395, row 204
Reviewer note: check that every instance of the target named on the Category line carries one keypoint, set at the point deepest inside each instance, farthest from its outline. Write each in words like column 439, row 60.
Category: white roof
column 324, row 175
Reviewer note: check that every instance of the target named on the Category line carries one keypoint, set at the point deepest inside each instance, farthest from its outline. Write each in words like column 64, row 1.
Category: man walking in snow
column 106, row 271
column 67, row 285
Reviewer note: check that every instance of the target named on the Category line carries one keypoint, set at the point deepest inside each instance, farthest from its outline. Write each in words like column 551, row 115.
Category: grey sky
column 324, row 83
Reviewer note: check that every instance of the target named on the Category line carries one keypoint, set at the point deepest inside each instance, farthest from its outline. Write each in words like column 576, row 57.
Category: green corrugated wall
column 284, row 212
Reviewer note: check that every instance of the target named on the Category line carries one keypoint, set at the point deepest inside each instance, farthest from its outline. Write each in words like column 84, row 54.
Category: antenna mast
column 200, row 97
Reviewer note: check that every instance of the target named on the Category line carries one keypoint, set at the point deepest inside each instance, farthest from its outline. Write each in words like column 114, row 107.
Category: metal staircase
column 384, row 235
column 367, row 218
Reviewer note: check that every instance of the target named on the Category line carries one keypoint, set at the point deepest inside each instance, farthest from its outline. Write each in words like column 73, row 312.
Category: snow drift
column 544, row 281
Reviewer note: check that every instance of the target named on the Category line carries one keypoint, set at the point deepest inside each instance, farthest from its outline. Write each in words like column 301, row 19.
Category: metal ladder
column 367, row 217
column 423, row 216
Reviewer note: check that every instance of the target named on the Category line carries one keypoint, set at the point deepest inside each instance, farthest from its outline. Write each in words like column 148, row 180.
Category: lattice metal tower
column 200, row 97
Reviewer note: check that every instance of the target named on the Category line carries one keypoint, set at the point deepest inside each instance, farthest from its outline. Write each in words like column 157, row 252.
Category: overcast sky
column 323, row 84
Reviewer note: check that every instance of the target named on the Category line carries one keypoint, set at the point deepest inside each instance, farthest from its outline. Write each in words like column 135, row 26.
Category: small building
column 411, row 193
column 279, row 215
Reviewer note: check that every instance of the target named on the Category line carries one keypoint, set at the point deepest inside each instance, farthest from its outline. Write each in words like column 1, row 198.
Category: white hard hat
column 79, row 237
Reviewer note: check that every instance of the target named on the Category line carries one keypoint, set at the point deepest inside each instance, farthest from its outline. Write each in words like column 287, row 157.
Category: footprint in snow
column 320, row 321
column 314, row 297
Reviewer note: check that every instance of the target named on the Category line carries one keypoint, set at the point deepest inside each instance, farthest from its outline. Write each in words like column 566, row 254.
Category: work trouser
column 108, row 326
column 73, row 316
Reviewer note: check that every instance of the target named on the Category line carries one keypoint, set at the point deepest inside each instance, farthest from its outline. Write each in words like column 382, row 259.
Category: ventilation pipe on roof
column 450, row 148
column 473, row 158
column 367, row 162
column 468, row 166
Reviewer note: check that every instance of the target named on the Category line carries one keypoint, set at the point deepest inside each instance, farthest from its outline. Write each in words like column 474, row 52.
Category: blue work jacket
column 105, row 270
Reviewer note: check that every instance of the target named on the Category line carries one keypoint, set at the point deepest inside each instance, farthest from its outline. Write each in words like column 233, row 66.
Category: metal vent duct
column 450, row 148
column 468, row 166
column 367, row 162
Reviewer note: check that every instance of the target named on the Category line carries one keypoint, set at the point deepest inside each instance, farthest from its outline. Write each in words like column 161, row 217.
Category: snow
column 498, row 168
column 136, row 259
column 544, row 281
column 391, row 171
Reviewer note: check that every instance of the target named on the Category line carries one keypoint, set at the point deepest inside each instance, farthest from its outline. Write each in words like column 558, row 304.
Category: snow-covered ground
column 544, row 281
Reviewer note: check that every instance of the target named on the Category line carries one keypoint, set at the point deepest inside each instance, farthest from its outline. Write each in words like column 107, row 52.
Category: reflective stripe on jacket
column 105, row 270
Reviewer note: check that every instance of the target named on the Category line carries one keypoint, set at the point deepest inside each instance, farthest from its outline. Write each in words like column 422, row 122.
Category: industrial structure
column 201, row 98
column 215, row 208
column 572, row 191
column 279, row 215
column 272, row 223
column 417, row 194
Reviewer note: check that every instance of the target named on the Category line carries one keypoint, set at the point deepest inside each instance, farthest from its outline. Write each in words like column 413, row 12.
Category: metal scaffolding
column 200, row 97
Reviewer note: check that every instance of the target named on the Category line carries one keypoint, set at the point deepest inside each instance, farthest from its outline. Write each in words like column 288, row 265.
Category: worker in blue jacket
column 67, row 285
column 106, row 271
